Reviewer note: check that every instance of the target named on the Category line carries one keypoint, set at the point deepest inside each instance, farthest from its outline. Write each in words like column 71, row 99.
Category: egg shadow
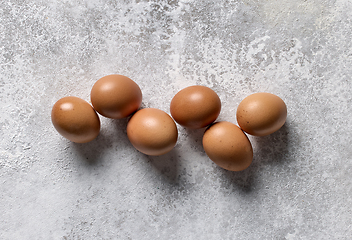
column 167, row 165
column 272, row 149
column 195, row 137
column 244, row 181
column 92, row 153
column 120, row 131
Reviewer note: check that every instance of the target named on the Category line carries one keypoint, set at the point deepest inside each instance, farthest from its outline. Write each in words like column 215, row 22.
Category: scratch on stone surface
column 136, row 185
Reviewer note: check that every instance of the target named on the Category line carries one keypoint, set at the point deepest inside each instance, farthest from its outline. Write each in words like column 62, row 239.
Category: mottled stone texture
column 299, row 185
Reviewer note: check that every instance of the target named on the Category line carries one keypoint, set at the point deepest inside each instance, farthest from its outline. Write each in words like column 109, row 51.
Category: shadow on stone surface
column 167, row 165
column 274, row 148
column 90, row 153
column 243, row 180
column 196, row 138
column 120, row 131
column 271, row 149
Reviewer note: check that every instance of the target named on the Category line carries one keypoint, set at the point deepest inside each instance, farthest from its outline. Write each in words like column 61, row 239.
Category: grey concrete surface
column 299, row 185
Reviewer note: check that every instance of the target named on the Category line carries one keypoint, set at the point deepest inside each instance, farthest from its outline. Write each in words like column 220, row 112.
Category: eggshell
column 228, row 146
column 261, row 114
column 152, row 131
column 116, row 96
column 75, row 119
column 195, row 107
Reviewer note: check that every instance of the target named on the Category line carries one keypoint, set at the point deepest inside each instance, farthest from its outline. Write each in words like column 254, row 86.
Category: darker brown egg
column 261, row 114
column 228, row 146
column 75, row 119
column 116, row 96
column 195, row 107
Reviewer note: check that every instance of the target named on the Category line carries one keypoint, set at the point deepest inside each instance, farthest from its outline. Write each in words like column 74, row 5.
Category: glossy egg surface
column 116, row 96
column 195, row 107
column 261, row 114
column 228, row 146
column 152, row 131
column 75, row 119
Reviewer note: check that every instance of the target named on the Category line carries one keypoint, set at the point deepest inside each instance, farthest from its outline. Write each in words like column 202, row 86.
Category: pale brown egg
column 228, row 146
column 261, row 114
column 152, row 131
column 116, row 96
column 75, row 119
column 195, row 107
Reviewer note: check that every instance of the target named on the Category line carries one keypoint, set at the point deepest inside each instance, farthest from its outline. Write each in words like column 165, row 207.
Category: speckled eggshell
column 228, row 146
column 261, row 114
column 116, row 96
column 75, row 119
column 195, row 107
column 152, row 131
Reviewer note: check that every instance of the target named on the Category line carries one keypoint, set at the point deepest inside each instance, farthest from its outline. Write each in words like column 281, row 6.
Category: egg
column 228, row 146
column 75, row 119
column 152, row 131
column 195, row 107
column 116, row 96
column 261, row 114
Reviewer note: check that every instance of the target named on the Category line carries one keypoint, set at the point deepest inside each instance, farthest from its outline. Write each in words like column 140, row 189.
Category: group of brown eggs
column 153, row 132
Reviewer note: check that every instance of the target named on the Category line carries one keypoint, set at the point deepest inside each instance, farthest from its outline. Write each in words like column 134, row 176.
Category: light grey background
column 299, row 185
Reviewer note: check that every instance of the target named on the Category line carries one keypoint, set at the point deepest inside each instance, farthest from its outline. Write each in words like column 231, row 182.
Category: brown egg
column 75, row 119
column 116, row 96
column 195, row 107
column 261, row 114
column 228, row 146
column 152, row 131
